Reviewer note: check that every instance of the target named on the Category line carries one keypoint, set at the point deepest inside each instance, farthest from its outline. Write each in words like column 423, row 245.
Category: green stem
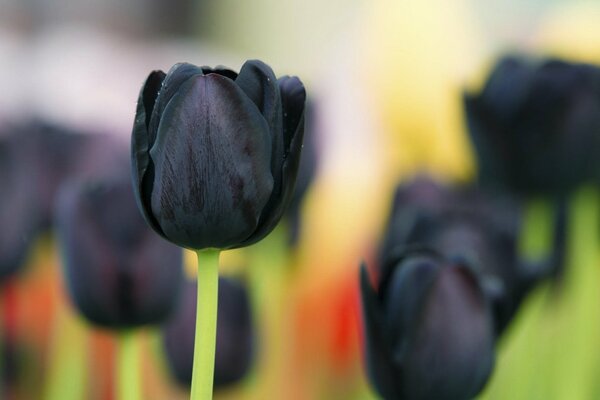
column 129, row 380
column 206, row 325
column 519, row 373
column 580, row 326
column 538, row 227
column 269, row 275
column 67, row 377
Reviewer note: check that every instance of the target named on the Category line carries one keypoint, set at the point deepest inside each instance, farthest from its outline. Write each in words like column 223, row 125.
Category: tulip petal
column 282, row 193
column 452, row 348
column 177, row 75
column 380, row 368
column 141, row 143
column 487, row 141
column 293, row 99
column 405, row 292
column 212, row 173
column 258, row 81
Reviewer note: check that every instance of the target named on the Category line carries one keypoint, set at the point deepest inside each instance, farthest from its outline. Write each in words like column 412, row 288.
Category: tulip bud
column 215, row 153
column 536, row 126
column 428, row 330
column 474, row 228
column 234, row 334
column 119, row 273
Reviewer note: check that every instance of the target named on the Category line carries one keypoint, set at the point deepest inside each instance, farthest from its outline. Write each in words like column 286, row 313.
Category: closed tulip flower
column 475, row 228
column 428, row 330
column 215, row 153
column 235, row 339
column 119, row 273
column 535, row 126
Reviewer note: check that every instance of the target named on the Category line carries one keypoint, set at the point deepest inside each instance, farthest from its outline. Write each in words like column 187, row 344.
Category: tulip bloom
column 119, row 273
column 472, row 228
column 536, row 126
column 428, row 330
column 235, row 339
column 215, row 153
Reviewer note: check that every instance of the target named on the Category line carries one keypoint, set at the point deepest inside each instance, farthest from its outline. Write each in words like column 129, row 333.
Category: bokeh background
column 385, row 78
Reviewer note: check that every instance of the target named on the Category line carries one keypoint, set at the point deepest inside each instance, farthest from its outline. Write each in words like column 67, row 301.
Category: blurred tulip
column 235, row 339
column 118, row 271
column 57, row 153
column 536, row 125
column 215, row 154
column 473, row 228
column 428, row 330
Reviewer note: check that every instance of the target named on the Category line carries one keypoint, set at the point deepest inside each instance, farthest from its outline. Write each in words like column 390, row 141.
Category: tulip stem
column 67, row 377
column 206, row 325
column 536, row 237
column 129, row 381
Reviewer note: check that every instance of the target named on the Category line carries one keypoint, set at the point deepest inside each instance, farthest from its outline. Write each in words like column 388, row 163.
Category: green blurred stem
column 269, row 276
column 206, row 325
column 581, row 301
column 129, row 379
column 538, row 228
column 67, row 374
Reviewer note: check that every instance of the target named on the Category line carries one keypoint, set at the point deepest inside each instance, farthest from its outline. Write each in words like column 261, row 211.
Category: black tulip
column 475, row 228
column 536, row 126
column 234, row 347
column 428, row 330
column 215, row 153
column 119, row 273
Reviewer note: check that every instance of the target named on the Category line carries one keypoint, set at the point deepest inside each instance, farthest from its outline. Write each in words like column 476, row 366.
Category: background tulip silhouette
column 118, row 271
column 536, row 125
column 235, row 338
column 473, row 228
column 215, row 154
column 428, row 330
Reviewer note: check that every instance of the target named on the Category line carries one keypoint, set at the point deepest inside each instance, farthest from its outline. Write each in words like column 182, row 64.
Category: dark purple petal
column 451, row 352
column 212, row 165
column 293, row 99
column 175, row 78
column 380, row 367
column 141, row 141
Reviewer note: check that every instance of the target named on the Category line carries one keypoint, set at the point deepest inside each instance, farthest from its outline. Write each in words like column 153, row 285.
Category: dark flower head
column 118, row 271
column 535, row 126
column 234, row 348
column 215, row 154
column 470, row 227
column 428, row 330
